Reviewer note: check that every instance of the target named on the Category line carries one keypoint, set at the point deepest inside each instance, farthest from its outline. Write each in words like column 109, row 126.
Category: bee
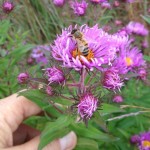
column 82, row 44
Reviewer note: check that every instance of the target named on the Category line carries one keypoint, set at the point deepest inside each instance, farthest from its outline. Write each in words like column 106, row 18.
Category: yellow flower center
column 76, row 53
column 129, row 61
column 146, row 143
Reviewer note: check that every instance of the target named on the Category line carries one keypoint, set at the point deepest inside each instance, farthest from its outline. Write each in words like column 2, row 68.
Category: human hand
column 16, row 136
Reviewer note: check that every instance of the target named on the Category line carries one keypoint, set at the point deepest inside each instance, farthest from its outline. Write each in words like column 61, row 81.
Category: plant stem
column 56, row 107
column 8, row 83
column 69, row 98
column 94, row 74
column 127, row 115
column 72, row 78
column 132, row 106
column 73, row 84
column 81, row 88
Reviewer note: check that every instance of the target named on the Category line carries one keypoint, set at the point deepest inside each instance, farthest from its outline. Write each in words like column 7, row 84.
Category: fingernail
column 68, row 141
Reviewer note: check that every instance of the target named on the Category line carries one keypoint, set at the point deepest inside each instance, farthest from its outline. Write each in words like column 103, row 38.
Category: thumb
column 67, row 142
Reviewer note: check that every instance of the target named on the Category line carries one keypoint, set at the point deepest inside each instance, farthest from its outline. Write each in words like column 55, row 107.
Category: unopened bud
column 23, row 77
column 7, row 6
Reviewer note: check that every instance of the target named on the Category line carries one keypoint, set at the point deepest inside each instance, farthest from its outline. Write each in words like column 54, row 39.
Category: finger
column 68, row 142
column 23, row 134
column 13, row 110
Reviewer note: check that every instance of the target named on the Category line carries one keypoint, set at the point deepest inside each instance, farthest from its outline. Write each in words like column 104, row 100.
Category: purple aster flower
column 106, row 5
column 118, row 99
column 38, row 53
column 118, row 40
column 54, row 75
column 135, row 139
column 7, row 6
column 111, row 80
column 144, row 143
column 137, row 28
column 130, row 1
column 42, row 60
column 102, row 48
column 87, row 106
column 123, row 32
column 129, row 60
column 23, row 77
column 79, row 8
column 59, row 3
column 98, row 1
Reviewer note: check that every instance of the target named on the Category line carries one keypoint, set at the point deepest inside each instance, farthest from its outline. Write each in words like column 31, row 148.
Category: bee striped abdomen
column 85, row 51
column 82, row 45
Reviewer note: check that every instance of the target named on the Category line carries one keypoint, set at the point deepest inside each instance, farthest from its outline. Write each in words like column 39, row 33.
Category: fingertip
column 69, row 141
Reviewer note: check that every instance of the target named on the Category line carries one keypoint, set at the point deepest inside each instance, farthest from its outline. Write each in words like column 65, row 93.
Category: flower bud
column 134, row 139
column 59, row 3
column 117, row 99
column 106, row 5
column 87, row 106
column 79, row 8
column 116, row 3
column 142, row 73
column 23, row 77
column 49, row 90
column 30, row 60
column 118, row 22
column 55, row 75
column 145, row 43
column 111, row 80
column 7, row 6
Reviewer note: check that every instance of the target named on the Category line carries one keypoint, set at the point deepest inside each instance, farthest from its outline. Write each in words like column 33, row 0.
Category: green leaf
column 146, row 18
column 100, row 122
column 55, row 130
column 86, row 144
column 147, row 58
column 36, row 96
column 108, row 109
column 41, row 100
column 3, row 52
column 52, row 111
column 123, row 132
column 91, row 132
column 19, row 52
column 37, row 122
column 62, row 100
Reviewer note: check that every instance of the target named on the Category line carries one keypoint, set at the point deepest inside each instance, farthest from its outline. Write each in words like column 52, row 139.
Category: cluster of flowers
column 81, row 7
column 108, row 53
column 111, row 55
column 39, row 54
column 142, row 141
column 134, row 29
column 7, row 6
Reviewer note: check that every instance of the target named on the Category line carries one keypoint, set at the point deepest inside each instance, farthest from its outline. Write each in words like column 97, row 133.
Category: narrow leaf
column 86, row 144
column 54, row 130
column 108, row 109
